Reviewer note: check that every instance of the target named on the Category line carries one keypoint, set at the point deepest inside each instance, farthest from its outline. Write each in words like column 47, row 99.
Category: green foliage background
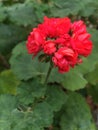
column 25, row 102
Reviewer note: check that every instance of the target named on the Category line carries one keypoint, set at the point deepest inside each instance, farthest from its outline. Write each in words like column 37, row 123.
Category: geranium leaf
column 30, row 91
column 55, row 97
column 24, row 66
column 3, row 13
column 72, row 80
column 22, row 14
column 76, row 115
column 61, row 9
column 8, row 82
column 10, row 35
column 92, row 77
column 40, row 117
column 8, row 104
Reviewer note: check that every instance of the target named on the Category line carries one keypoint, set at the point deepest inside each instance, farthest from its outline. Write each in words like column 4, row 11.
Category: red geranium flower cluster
column 64, row 41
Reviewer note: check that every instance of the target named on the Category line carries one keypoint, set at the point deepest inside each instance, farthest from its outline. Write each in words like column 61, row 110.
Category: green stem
column 48, row 73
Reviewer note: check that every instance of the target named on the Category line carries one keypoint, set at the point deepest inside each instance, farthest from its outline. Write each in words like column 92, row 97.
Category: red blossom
column 64, row 58
column 81, row 39
column 35, row 41
column 78, row 27
column 54, row 27
column 64, row 41
column 49, row 47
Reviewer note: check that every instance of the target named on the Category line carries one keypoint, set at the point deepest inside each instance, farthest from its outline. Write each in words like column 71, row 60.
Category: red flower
column 35, row 41
column 54, row 27
column 83, row 47
column 81, row 39
column 64, row 41
column 78, row 27
column 64, row 58
column 49, row 47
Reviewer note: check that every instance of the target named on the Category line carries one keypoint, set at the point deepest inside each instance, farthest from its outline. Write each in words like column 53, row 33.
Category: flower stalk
column 48, row 73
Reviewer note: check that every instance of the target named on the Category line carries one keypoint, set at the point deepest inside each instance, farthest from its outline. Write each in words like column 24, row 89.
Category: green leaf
column 72, row 80
column 41, row 10
column 23, row 121
column 3, row 13
column 30, row 91
column 93, row 57
column 24, row 66
column 91, row 9
column 11, row 118
column 8, row 82
column 86, row 66
column 92, row 77
column 22, row 14
column 44, row 114
column 76, row 115
column 7, row 104
column 37, row 119
column 61, row 9
column 55, row 97
column 10, row 35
